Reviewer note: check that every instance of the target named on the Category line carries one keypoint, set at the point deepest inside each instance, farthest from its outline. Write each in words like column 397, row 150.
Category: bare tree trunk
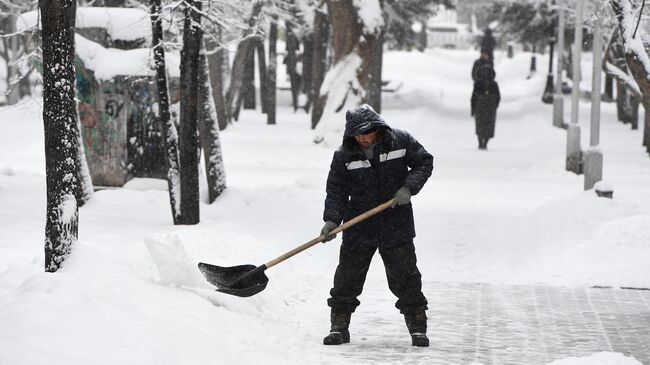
column 422, row 36
column 272, row 73
column 635, row 65
column 321, row 41
column 189, row 143
column 291, row 62
column 646, row 127
column 346, row 28
column 13, row 74
column 621, row 96
column 218, row 62
column 234, row 94
column 632, row 114
column 209, row 133
column 261, row 66
column 170, row 135
column 307, row 64
column 248, row 85
column 533, row 59
column 347, row 42
column 61, row 134
column 85, row 190
column 609, row 88
column 373, row 96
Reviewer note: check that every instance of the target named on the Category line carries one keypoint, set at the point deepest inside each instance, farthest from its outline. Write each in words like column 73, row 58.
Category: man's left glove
column 402, row 196
column 327, row 228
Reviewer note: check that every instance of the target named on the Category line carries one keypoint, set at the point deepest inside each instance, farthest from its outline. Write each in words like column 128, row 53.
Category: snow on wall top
column 121, row 23
column 109, row 62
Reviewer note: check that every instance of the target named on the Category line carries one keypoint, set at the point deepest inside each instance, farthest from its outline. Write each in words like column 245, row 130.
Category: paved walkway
column 490, row 324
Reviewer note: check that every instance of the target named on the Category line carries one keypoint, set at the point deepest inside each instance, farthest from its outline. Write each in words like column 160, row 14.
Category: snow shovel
column 248, row 280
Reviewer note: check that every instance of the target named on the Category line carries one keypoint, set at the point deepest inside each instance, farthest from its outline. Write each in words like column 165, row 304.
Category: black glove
column 402, row 196
column 327, row 228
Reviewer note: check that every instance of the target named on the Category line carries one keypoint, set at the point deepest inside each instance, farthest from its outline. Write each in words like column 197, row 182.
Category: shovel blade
column 226, row 279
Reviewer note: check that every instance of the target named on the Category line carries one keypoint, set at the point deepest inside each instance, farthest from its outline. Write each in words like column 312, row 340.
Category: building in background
column 444, row 30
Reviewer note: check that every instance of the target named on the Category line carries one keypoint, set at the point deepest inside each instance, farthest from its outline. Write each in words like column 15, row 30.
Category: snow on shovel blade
column 229, row 279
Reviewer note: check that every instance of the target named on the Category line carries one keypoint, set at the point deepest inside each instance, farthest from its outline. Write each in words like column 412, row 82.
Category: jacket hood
column 362, row 119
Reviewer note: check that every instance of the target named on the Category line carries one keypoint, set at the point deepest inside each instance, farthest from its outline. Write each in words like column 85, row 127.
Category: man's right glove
column 327, row 228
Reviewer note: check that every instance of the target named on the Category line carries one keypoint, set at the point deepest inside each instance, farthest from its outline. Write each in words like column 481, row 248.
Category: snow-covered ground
column 130, row 291
column 3, row 80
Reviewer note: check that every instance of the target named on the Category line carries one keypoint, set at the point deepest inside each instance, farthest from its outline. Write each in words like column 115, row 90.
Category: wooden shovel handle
column 321, row 238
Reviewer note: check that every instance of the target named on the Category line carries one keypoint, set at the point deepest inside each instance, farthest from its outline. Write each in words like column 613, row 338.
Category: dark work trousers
column 404, row 278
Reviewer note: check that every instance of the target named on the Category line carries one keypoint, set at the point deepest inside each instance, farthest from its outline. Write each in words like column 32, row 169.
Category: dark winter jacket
column 488, row 43
column 477, row 65
column 485, row 101
column 356, row 184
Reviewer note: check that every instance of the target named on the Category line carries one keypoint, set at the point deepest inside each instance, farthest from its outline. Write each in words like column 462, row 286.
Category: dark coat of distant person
column 488, row 43
column 483, row 60
column 485, row 101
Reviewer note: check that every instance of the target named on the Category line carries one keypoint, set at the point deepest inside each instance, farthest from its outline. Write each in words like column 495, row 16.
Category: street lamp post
column 547, row 97
column 573, row 151
column 593, row 159
column 558, row 100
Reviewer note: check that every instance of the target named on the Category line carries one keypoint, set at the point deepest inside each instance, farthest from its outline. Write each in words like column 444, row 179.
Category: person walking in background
column 488, row 43
column 483, row 60
column 374, row 164
column 485, row 101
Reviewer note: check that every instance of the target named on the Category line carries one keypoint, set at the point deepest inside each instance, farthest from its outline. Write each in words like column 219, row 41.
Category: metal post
column 558, row 100
column 573, row 152
column 547, row 97
column 593, row 164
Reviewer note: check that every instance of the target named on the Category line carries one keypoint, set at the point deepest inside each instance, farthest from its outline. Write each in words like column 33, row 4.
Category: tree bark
column 609, row 88
column 321, row 42
column 85, row 190
column 248, row 85
column 272, row 73
column 307, row 74
column 61, row 134
column 218, row 62
column 13, row 74
column 373, row 95
column 621, row 95
column 209, row 133
column 422, row 36
column 291, row 62
column 348, row 38
column 261, row 65
column 234, row 94
column 636, row 67
column 170, row 135
column 533, row 60
column 189, row 143
column 632, row 111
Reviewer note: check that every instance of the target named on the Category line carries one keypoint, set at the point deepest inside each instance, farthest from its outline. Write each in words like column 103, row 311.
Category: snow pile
column 125, row 24
column 110, row 62
column 601, row 358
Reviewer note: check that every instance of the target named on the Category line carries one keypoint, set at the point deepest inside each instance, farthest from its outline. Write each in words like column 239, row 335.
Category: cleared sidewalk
column 495, row 324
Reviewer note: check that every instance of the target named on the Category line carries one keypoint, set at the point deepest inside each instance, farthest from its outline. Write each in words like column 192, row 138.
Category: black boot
column 339, row 331
column 417, row 325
